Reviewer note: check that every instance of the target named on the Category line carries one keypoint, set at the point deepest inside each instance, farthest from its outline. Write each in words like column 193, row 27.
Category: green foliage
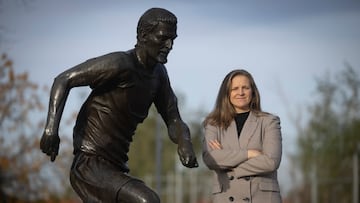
column 331, row 137
column 142, row 154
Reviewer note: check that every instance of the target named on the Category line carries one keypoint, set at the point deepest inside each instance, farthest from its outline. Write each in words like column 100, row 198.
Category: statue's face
column 160, row 41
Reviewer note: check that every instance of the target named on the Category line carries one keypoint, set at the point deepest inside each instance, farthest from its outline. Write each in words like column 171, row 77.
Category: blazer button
column 246, row 199
column 231, row 199
column 231, row 178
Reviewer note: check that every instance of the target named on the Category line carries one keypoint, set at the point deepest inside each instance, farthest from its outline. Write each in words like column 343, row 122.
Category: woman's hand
column 253, row 153
column 214, row 144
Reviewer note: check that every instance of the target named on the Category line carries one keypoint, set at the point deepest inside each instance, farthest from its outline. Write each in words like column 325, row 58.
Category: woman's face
column 240, row 93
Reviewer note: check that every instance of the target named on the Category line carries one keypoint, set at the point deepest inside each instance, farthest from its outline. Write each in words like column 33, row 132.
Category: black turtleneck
column 240, row 119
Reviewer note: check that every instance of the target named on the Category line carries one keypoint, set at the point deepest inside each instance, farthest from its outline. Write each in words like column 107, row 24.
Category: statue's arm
column 178, row 131
column 90, row 73
column 60, row 89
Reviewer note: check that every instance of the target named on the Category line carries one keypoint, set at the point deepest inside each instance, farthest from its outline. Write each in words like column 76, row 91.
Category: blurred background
column 304, row 56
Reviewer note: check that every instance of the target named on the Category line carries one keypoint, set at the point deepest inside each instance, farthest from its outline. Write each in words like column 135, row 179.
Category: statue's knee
column 149, row 197
column 138, row 194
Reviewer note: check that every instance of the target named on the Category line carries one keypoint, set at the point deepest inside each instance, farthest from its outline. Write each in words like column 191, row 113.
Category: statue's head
column 152, row 17
column 156, row 32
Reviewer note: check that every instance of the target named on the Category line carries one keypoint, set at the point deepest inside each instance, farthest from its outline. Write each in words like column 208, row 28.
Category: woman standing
column 242, row 144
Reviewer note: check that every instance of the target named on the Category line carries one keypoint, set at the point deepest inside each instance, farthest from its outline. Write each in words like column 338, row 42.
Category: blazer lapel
column 248, row 130
column 231, row 133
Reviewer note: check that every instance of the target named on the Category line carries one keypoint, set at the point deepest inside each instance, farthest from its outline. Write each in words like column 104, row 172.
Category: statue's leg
column 95, row 179
column 135, row 191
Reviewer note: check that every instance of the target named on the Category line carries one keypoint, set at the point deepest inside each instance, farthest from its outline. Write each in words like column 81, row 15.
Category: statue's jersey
column 120, row 99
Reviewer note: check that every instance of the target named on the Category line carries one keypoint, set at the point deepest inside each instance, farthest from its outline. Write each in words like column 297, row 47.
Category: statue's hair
column 224, row 112
column 151, row 18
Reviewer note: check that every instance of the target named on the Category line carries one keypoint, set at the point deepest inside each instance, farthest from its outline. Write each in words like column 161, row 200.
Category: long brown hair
column 224, row 112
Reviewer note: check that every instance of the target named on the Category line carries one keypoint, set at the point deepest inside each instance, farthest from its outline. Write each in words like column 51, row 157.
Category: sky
column 284, row 44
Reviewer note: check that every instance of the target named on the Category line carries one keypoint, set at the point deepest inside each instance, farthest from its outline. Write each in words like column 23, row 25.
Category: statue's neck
column 144, row 60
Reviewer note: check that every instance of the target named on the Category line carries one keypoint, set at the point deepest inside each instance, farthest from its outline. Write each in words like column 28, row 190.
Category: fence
column 190, row 186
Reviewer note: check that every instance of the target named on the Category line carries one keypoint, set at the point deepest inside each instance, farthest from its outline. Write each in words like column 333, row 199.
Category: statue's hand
column 187, row 155
column 49, row 144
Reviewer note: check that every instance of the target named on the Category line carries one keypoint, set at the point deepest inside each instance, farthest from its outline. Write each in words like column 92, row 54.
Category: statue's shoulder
column 118, row 55
column 116, row 60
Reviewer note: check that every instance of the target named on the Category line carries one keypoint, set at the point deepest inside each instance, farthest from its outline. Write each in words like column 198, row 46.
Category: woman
column 242, row 144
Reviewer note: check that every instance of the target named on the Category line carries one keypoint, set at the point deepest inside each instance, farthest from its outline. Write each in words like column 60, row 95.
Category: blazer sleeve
column 223, row 159
column 270, row 159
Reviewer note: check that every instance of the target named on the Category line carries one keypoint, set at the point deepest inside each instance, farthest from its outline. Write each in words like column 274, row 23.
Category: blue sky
column 285, row 44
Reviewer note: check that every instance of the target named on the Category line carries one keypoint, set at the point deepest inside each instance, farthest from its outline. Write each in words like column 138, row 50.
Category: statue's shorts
column 95, row 179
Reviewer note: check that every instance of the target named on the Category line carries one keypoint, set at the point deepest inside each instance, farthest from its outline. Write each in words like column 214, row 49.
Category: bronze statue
column 124, row 85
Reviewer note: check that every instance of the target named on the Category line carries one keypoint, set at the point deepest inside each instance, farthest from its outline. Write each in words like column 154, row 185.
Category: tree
column 143, row 152
column 25, row 172
column 330, row 138
column 143, row 159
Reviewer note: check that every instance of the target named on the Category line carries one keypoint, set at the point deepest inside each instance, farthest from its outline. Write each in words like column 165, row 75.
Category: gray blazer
column 237, row 178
